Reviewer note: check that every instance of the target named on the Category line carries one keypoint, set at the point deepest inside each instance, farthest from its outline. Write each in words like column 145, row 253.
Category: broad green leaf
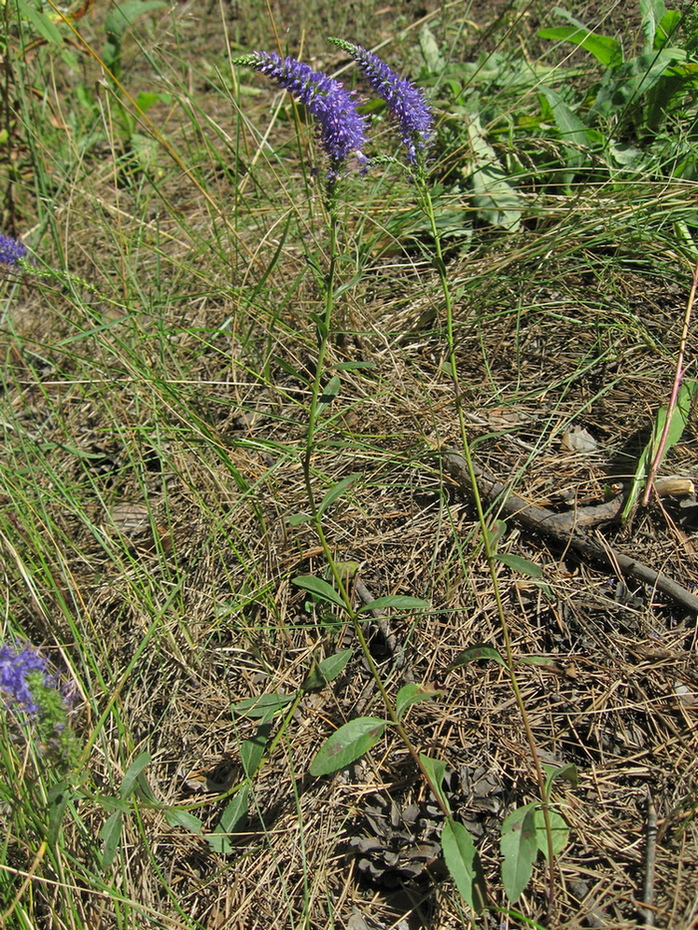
column 336, row 492
column 146, row 100
column 436, row 770
column 559, row 830
column 431, row 52
column 653, row 13
column 520, row 564
column 40, row 21
column 605, row 49
column 667, row 27
column 252, row 750
column 124, row 15
column 677, row 424
column 180, row 818
column 626, row 85
column 297, row 518
column 574, row 135
column 233, row 818
column 412, row 694
column 327, row 670
column 519, row 846
column 128, row 784
column 329, row 393
column 474, row 654
column 496, row 200
column 397, row 602
column 110, row 837
column 347, row 744
column 262, row 706
column 566, row 773
column 320, row 588
column 463, row 863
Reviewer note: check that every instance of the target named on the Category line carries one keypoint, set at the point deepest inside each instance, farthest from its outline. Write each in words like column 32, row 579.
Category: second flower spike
column 406, row 102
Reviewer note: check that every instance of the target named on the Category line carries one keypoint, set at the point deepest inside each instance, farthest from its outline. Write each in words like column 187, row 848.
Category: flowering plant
column 340, row 127
column 32, row 695
column 407, row 104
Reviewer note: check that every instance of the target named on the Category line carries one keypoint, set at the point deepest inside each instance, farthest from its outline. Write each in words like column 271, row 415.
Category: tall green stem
column 323, row 326
column 427, row 205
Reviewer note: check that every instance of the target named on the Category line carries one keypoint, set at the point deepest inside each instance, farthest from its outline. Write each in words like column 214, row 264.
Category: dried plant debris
column 399, row 844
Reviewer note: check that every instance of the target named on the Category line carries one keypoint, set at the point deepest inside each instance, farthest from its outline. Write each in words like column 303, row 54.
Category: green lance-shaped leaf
column 110, row 836
column 180, row 818
column 463, row 863
column 677, row 424
column 320, row 588
column 568, row 773
column 519, row 564
column 41, row 22
column 252, row 750
column 130, row 779
column 347, row 744
column 327, row 670
column 265, row 706
column 604, row 49
column 329, row 393
column 474, row 654
column 336, row 491
column 396, row 602
column 519, row 847
column 412, row 694
column 233, row 818
column 435, row 769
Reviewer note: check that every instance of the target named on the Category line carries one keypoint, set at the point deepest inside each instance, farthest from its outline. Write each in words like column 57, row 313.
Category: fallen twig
column 565, row 528
column 646, row 913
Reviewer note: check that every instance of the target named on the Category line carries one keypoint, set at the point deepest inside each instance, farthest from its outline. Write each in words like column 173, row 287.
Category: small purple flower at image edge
column 11, row 250
column 16, row 667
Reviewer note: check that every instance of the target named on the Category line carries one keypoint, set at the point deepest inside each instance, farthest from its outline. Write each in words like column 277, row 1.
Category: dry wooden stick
column 646, row 913
column 565, row 527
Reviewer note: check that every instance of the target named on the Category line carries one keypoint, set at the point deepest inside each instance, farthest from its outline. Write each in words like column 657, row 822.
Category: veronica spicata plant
column 410, row 111
column 12, row 251
column 341, row 132
column 33, row 697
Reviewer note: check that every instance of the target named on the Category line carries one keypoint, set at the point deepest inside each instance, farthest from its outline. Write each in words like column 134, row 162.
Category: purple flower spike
column 15, row 668
column 11, row 250
column 342, row 131
column 407, row 103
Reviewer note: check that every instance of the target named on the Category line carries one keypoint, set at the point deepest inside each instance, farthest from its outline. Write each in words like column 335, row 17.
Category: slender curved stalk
column 427, row 205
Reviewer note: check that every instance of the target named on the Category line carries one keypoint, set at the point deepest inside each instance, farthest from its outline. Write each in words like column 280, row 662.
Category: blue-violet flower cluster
column 407, row 103
column 20, row 671
column 11, row 251
column 31, row 692
column 341, row 129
